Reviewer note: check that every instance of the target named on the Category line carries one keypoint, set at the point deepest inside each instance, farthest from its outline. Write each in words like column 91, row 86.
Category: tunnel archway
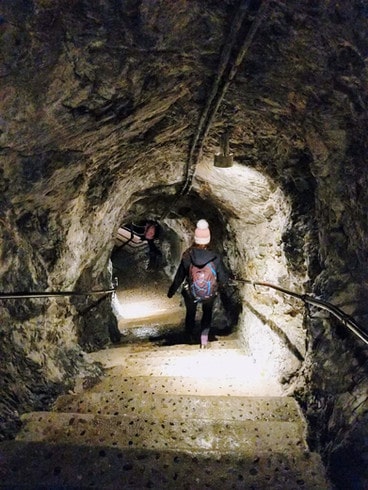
column 248, row 215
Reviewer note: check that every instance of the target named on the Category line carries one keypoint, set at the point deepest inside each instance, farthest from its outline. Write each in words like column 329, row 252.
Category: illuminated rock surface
column 152, row 422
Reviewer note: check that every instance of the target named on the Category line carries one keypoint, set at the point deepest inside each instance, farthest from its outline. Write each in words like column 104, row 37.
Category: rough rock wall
column 100, row 100
column 311, row 81
column 256, row 217
column 297, row 111
column 85, row 127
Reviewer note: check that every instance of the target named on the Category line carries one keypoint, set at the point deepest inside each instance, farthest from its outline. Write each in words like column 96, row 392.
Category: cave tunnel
column 249, row 114
column 249, row 241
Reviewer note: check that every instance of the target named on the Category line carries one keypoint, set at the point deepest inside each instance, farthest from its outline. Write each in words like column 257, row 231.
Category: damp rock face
column 111, row 110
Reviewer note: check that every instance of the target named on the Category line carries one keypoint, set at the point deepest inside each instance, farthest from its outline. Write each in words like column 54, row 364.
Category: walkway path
column 173, row 417
column 166, row 415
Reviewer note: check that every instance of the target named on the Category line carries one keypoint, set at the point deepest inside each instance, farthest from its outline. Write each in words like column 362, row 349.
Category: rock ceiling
column 132, row 94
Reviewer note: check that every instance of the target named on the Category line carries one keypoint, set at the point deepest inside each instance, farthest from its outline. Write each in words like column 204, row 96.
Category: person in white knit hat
column 203, row 271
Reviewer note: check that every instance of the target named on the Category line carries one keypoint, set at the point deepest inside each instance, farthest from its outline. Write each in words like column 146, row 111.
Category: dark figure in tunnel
column 151, row 233
column 199, row 255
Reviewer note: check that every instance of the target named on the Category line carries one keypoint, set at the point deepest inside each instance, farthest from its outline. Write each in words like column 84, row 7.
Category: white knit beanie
column 202, row 235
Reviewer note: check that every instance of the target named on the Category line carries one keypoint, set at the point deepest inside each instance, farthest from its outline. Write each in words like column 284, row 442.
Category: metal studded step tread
column 182, row 406
column 208, row 364
column 121, row 383
column 167, row 418
column 35, row 466
column 149, row 432
column 135, row 353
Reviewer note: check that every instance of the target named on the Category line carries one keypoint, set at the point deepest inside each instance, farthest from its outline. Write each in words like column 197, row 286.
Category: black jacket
column 199, row 257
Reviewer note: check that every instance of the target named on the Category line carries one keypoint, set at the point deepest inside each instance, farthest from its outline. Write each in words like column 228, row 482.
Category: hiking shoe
column 204, row 346
column 204, row 338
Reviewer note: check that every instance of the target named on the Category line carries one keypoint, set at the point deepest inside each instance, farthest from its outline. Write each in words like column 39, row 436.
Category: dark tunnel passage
column 267, row 323
column 249, row 244
column 141, row 304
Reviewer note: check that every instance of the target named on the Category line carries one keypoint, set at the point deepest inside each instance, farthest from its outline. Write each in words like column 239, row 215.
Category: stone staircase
column 173, row 417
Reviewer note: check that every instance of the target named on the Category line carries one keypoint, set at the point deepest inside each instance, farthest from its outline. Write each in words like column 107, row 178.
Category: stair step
column 115, row 356
column 246, row 437
column 206, row 366
column 227, row 342
column 49, row 466
column 213, row 371
column 172, row 417
column 120, row 383
column 182, row 406
column 204, row 363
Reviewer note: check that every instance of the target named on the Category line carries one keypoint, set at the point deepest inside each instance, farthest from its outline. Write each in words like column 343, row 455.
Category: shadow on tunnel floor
column 181, row 337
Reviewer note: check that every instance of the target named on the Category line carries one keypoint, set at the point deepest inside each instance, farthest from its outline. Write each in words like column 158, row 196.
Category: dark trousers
column 191, row 309
column 154, row 254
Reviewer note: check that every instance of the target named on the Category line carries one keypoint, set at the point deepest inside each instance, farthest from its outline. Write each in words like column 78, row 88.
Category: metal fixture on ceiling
column 225, row 158
column 233, row 54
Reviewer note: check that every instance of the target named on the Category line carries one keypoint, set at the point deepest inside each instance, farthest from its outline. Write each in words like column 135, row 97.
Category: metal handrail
column 232, row 55
column 51, row 294
column 346, row 319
